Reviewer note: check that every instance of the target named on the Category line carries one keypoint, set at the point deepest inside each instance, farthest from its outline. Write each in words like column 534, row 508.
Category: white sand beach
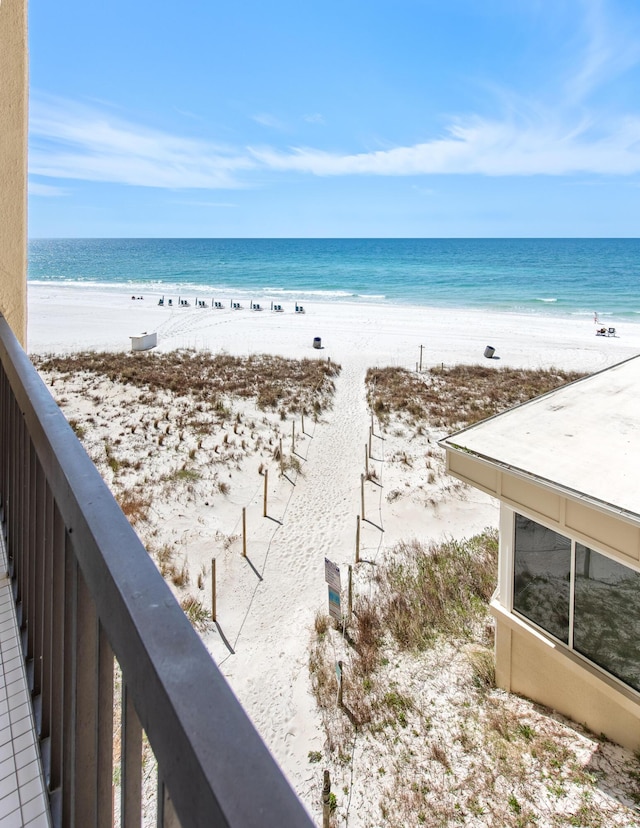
column 267, row 602
column 63, row 319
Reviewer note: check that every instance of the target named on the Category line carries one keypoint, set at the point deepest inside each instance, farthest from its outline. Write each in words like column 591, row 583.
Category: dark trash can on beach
column 489, row 351
column 317, row 342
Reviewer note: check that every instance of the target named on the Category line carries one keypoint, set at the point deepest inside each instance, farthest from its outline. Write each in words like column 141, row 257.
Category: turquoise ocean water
column 549, row 276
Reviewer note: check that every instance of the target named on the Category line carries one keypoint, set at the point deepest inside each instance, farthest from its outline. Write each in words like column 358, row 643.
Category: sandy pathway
column 269, row 667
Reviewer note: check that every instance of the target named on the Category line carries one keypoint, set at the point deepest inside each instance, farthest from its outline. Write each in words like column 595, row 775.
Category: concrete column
column 13, row 165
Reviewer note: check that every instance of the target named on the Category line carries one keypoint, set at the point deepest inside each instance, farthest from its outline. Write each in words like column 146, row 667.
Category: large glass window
column 542, row 578
column 606, row 625
column 553, row 575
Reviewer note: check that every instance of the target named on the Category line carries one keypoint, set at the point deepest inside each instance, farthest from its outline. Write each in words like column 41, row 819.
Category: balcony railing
column 87, row 593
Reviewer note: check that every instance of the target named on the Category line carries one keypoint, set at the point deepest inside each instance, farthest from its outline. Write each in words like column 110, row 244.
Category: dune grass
column 456, row 396
column 288, row 385
column 420, row 703
column 439, row 589
column 176, row 427
column 180, row 405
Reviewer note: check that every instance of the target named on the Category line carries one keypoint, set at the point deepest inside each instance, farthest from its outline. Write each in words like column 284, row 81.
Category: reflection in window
column 542, row 577
column 606, row 626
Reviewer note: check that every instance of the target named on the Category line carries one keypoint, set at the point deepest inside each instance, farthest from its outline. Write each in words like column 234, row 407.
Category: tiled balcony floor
column 23, row 800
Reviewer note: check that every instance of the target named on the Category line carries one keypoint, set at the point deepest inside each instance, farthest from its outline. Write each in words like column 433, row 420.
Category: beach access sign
column 332, row 577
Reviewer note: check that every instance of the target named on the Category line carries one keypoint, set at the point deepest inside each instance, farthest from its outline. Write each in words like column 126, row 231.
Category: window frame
column 507, row 590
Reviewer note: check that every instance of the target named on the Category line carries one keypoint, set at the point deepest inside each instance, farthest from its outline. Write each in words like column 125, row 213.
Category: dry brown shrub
column 196, row 612
column 165, row 560
column 483, row 667
column 321, row 623
column 180, row 577
column 439, row 754
column 273, row 381
column 323, row 677
column 455, row 397
column 134, row 505
column 367, row 635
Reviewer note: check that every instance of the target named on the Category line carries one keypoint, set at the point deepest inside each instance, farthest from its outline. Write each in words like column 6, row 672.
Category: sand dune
column 267, row 602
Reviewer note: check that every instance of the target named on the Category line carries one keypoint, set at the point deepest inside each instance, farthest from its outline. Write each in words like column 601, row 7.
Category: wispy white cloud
column 37, row 188
column 483, row 147
column 559, row 136
column 267, row 120
column 78, row 142
column 609, row 46
column 69, row 142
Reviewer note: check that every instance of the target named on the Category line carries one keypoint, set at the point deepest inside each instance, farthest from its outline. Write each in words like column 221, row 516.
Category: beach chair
column 299, row 308
column 611, row 331
column 161, row 301
column 170, row 302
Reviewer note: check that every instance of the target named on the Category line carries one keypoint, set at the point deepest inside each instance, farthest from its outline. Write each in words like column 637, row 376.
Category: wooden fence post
column 326, row 800
column 213, row 589
column 362, row 495
column 244, row 531
column 266, row 483
column 358, row 539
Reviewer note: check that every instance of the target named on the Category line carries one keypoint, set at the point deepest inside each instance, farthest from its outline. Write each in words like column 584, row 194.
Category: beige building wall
column 528, row 662
column 13, row 164
column 532, row 666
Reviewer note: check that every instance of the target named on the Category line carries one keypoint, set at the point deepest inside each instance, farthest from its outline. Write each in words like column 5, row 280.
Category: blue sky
column 335, row 118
